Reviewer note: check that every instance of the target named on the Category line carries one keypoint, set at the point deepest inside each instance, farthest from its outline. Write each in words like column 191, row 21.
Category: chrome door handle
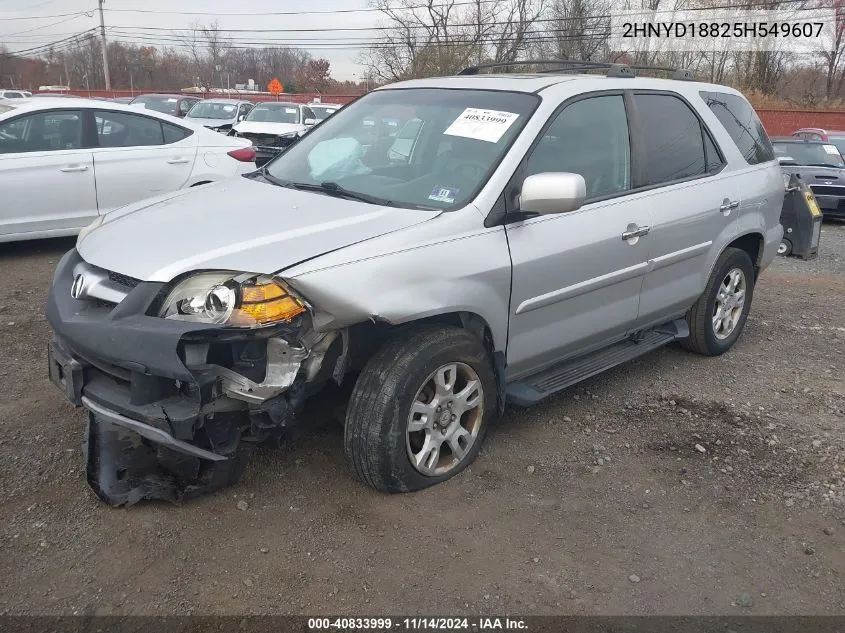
column 637, row 232
column 729, row 205
column 178, row 161
column 73, row 168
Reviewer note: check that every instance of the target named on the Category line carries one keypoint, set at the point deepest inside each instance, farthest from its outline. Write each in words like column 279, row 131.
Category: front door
column 576, row 280
column 46, row 174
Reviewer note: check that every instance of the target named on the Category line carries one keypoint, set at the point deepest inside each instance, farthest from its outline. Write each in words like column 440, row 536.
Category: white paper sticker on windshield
column 228, row 108
column 290, row 110
column 831, row 149
column 171, row 101
column 484, row 125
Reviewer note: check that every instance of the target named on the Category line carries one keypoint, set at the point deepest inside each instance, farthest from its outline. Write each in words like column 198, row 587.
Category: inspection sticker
column 290, row 110
column 484, row 125
column 444, row 194
column 831, row 149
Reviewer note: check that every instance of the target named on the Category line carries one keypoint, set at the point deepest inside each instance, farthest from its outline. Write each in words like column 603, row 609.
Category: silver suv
column 440, row 247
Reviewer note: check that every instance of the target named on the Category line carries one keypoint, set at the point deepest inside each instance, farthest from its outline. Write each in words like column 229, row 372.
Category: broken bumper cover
column 158, row 429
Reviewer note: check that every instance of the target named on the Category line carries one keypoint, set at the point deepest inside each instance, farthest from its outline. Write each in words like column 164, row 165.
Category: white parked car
column 64, row 161
column 272, row 126
column 219, row 114
column 14, row 94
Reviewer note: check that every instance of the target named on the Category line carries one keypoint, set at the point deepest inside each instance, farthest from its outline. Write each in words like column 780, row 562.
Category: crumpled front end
column 174, row 406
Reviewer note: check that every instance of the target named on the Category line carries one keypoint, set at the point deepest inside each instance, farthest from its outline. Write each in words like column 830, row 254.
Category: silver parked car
column 219, row 114
column 537, row 230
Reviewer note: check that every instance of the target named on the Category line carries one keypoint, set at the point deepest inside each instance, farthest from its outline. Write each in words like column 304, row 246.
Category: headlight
column 289, row 135
column 240, row 299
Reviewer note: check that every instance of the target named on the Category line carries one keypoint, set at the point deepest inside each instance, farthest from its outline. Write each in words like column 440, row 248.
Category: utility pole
column 105, row 47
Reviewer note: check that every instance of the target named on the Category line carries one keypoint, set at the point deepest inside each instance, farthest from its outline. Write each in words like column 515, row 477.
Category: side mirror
column 552, row 192
column 241, row 117
column 310, row 121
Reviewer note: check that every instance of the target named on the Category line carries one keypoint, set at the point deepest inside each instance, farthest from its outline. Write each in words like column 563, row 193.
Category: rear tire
column 785, row 247
column 420, row 409
column 718, row 317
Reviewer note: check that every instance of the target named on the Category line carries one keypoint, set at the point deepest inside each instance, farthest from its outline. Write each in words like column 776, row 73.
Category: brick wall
column 777, row 122
column 295, row 98
column 785, row 122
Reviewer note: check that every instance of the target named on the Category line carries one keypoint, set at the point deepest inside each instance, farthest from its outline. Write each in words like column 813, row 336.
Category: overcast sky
column 20, row 34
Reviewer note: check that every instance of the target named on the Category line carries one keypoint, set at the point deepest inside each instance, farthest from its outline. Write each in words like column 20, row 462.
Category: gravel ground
column 673, row 485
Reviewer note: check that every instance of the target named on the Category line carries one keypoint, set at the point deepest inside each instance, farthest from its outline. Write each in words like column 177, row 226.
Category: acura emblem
column 78, row 285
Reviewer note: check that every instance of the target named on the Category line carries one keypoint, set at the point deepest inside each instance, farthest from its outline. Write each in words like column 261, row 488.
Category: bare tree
column 441, row 37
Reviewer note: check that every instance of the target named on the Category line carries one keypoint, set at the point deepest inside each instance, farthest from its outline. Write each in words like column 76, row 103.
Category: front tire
column 718, row 317
column 420, row 409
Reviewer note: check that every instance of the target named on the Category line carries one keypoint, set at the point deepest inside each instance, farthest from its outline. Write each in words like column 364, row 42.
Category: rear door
column 576, row 280
column 139, row 157
column 692, row 202
column 46, row 173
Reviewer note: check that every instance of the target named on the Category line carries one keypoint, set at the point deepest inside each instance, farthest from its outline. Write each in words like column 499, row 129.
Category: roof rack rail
column 575, row 65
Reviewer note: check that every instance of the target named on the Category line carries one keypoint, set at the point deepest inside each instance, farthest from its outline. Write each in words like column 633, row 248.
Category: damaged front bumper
column 174, row 407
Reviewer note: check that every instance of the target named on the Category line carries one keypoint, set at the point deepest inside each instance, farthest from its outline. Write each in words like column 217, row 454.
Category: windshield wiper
column 334, row 189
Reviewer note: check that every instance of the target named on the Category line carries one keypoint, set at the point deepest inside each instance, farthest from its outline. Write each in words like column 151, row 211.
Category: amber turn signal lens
column 268, row 303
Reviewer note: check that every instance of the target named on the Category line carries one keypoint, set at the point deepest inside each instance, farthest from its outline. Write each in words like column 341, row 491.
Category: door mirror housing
column 310, row 121
column 241, row 117
column 552, row 192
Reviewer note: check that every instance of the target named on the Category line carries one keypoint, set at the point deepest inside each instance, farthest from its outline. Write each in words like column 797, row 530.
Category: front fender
column 470, row 272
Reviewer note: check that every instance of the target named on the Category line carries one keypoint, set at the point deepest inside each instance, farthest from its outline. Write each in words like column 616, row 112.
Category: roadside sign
column 275, row 87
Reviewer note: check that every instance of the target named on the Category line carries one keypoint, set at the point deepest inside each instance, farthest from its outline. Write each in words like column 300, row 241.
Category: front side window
column 42, row 132
column 742, row 124
column 588, row 137
column 274, row 113
column 463, row 136
column 672, row 135
column 307, row 113
column 323, row 112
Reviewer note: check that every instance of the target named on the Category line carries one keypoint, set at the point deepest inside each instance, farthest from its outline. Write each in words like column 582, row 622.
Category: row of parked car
column 66, row 160
column 815, row 156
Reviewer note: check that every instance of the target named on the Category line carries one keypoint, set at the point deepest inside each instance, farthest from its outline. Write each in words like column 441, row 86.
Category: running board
column 534, row 388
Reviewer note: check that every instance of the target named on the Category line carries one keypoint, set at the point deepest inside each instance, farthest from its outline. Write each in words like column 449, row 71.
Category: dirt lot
column 674, row 485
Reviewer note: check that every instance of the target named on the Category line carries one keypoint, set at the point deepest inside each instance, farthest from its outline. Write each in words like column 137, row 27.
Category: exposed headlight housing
column 237, row 299
column 786, row 179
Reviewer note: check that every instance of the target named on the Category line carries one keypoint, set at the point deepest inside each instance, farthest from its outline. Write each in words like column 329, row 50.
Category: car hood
column 210, row 122
column 239, row 224
column 263, row 127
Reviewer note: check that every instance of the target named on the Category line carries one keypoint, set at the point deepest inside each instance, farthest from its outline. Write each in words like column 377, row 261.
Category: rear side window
column 122, row 129
column 673, row 139
column 174, row 133
column 742, row 124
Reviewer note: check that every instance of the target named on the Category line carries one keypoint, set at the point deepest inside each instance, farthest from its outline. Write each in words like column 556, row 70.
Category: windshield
column 323, row 112
column 6, row 108
column 425, row 147
column 839, row 142
column 274, row 113
column 211, row 110
column 167, row 105
column 819, row 154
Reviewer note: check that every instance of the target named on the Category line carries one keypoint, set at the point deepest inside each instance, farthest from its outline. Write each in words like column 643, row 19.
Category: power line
column 90, row 14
